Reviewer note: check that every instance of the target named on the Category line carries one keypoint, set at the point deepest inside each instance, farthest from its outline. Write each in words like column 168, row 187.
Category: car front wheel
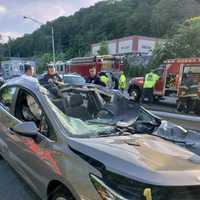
column 61, row 193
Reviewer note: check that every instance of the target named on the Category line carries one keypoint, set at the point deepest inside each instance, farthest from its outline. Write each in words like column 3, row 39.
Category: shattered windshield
column 89, row 112
column 76, row 127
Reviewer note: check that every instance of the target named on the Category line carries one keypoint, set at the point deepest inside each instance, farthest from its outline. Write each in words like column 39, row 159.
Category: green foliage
column 60, row 56
column 103, row 48
column 168, row 14
column 184, row 43
column 43, row 61
column 135, row 71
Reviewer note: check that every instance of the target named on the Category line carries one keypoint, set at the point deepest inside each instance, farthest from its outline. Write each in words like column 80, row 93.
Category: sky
column 12, row 11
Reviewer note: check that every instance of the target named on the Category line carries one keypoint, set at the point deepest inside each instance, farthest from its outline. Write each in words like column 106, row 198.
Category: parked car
column 63, row 157
column 73, row 79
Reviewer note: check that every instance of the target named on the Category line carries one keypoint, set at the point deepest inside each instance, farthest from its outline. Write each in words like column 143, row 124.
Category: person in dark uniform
column 94, row 78
column 52, row 77
column 188, row 80
column 115, row 81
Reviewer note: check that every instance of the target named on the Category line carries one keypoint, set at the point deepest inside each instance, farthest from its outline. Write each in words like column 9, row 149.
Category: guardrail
column 186, row 121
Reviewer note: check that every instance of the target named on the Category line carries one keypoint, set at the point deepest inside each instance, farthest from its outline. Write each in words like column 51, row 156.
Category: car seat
column 77, row 110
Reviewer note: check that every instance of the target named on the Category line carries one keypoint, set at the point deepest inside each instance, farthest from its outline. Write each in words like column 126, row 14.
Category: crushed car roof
column 25, row 81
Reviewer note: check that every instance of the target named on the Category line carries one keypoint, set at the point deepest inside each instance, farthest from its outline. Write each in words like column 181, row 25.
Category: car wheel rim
column 61, row 198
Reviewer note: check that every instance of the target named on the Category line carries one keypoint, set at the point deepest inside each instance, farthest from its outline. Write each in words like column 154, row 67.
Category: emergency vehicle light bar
column 183, row 60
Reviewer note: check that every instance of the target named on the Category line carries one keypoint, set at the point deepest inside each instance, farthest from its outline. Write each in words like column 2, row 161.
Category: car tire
column 135, row 94
column 197, row 109
column 180, row 106
column 61, row 193
column 156, row 98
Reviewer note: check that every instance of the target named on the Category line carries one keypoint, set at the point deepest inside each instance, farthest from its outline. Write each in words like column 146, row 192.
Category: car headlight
column 107, row 193
column 148, row 194
column 104, row 191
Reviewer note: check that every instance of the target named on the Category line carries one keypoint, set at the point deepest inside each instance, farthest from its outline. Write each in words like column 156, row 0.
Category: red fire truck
column 82, row 65
column 174, row 74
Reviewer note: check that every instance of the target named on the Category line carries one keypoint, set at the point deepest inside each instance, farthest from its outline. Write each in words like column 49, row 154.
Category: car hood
column 144, row 158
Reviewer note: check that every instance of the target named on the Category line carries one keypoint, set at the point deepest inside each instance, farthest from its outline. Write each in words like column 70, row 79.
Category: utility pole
column 53, row 46
column 9, row 48
column 52, row 36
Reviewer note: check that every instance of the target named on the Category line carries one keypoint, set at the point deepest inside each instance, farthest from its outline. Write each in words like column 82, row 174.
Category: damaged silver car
column 96, row 104
column 62, row 156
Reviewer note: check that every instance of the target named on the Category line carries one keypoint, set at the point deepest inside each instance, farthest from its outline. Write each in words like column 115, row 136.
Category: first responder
column 104, row 79
column 189, row 80
column 94, row 78
column 122, row 81
column 149, row 83
column 52, row 76
column 29, row 72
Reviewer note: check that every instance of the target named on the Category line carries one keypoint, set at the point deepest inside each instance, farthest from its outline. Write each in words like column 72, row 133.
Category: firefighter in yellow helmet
column 122, row 81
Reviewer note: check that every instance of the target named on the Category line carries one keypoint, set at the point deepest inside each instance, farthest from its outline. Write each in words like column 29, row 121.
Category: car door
column 7, row 96
column 34, row 159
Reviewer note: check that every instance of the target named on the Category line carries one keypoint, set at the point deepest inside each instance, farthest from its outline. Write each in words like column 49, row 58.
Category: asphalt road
column 12, row 187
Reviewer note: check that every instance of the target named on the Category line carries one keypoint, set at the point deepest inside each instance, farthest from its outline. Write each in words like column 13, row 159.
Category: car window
column 74, row 80
column 28, row 108
column 6, row 97
column 159, row 71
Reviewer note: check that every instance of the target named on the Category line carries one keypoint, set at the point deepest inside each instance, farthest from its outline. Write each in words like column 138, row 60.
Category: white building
column 128, row 45
column 14, row 67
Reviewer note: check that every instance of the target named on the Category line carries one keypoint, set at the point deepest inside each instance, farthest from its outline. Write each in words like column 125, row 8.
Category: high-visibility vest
column 104, row 79
column 122, row 81
column 150, row 80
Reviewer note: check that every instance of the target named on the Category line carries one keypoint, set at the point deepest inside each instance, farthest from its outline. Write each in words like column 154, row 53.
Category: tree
column 166, row 15
column 43, row 61
column 103, row 48
column 105, row 20
column 184, row 43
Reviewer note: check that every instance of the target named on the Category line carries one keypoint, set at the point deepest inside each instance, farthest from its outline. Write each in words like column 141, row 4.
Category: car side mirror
column 27, row 129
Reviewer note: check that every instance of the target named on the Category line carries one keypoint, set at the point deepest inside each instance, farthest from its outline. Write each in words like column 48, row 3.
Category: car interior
column 24, row 112
column 78, row 104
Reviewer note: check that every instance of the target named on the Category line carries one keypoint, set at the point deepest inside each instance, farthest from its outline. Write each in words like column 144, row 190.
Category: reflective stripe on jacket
column 104, row 79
